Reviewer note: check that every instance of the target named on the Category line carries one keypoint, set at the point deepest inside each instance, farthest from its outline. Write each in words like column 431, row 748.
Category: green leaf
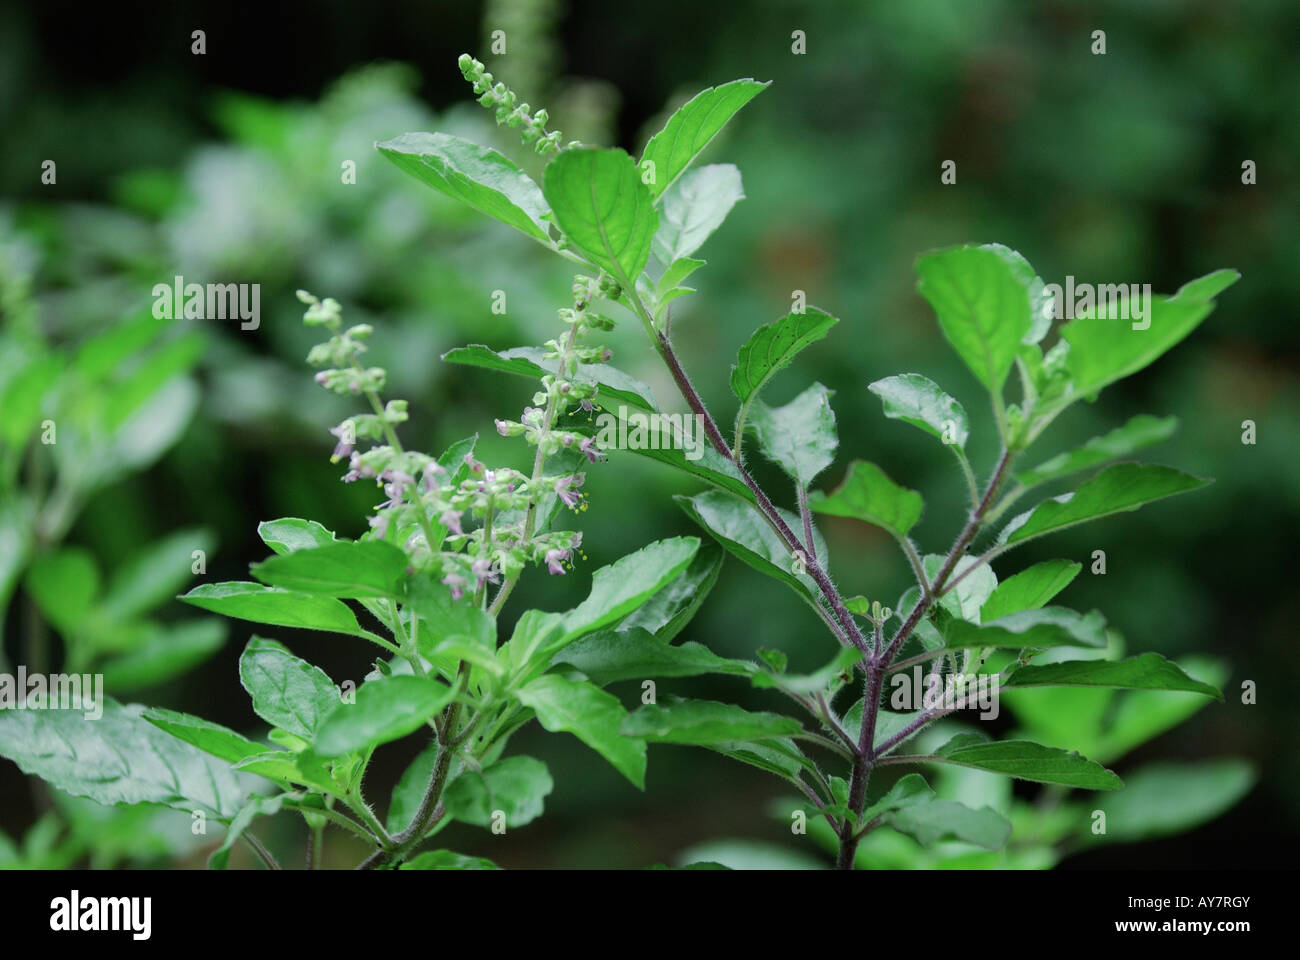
column 971, row 592
column 145, row 434
column 284, row 767
column 1117, row 489
column 921, row 402
column 1029, row 589
column 704, row 722
column 24, row 396
column 444, row 617
column 676, row 274
column 635, row 654
column 800, row 436
column 1165, row 799
column 1025, row 760
column 987, row 299
column 257, row 806
column 845, row 659
column 150, row 377
column 1045, row 627
column 1139, row 715
column 119, row 758
column 744, row 533
column 475, row 175
column 622, row 586
column 385, row 709
column 209, row 737
column 603, row 208
column 154, row 574
column 669, row 610
column 348, row 568
column 168, row 652
column 908, row 791
column 938, row 820
column 1105, row 349
column 287, row 692
column 693, row 208
column 772, row 346
column 447, row 860
column 690, row 129
column 868, row 495
column 1148, row 671
column 282, row 608
column 591, row 715
column 290, row 533
column 615, row 387
column 533, row 643
column 1141, row 431
column 64, row 584
column 516, row 786
column 777, row 756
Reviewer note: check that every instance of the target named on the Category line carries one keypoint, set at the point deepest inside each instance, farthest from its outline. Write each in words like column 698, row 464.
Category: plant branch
column 336, row 818
column 765, row 505
column 911, row 729
column 950, row 561
column 539, row 462
column 801, row 494
column 263, row 854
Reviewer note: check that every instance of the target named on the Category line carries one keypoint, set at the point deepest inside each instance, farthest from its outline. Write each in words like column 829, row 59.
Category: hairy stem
column 801, row 493
column 877, row 665
column 863, row 762
column 263, row 854
column 765, row 505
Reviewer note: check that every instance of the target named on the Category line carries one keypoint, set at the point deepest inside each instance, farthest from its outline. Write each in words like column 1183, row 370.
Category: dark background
column 1123, row 167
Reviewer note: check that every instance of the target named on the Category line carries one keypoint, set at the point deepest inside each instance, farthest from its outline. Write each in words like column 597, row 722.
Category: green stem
column 334, row 817
column 391, row 436
column 263, row 854
column 971, row 487
column 539, row 462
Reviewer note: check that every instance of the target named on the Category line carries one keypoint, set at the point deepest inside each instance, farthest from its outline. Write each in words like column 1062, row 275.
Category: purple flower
column 347, row 438
column 564, row 489
column 590, row 450
column 555, row 560
column 322, row 377
column 474, row 465
column 451, row 520
column 482, row 570
column 432, row 470
column 399, row 481
column 358, row 469
column 503, row 427
column 456, row 583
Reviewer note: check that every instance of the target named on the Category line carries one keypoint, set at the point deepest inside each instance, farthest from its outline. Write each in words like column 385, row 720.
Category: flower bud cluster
column 510, row 111
column 460, row 521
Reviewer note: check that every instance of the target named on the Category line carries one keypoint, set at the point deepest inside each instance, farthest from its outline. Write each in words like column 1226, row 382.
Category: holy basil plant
column 428, row 581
